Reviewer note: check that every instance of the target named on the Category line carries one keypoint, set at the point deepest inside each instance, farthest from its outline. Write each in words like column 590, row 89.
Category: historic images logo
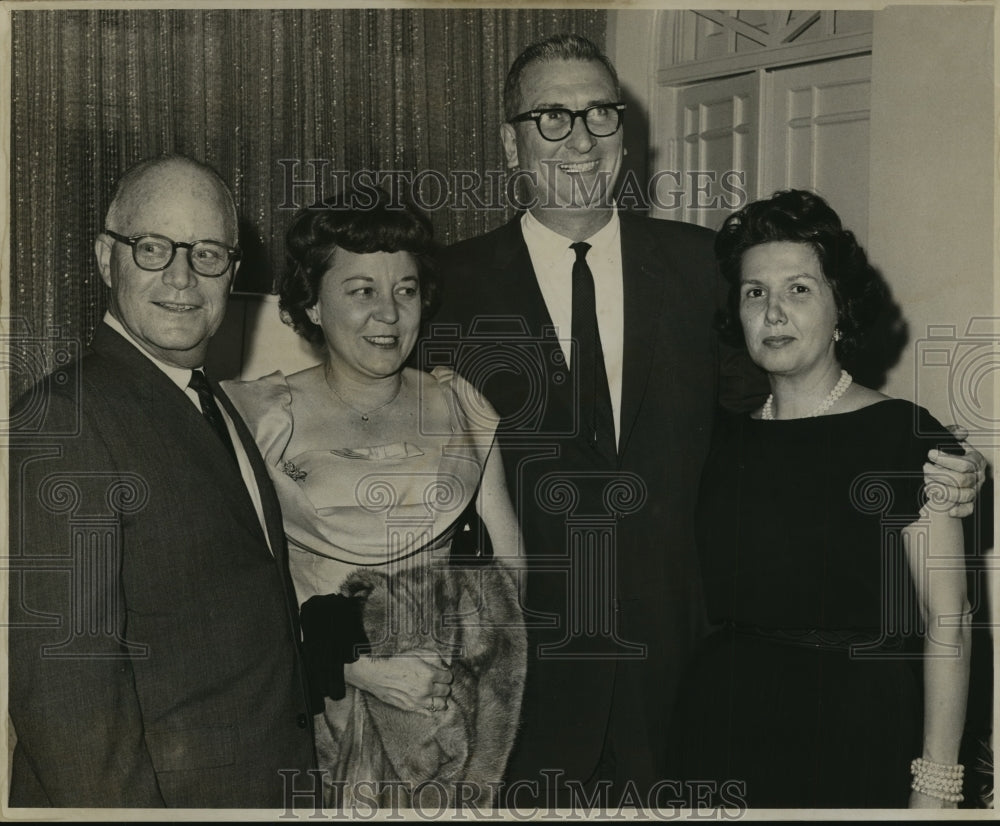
column 314, row 182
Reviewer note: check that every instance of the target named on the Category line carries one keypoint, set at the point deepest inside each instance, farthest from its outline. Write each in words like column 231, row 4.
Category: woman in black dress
column 842, row 653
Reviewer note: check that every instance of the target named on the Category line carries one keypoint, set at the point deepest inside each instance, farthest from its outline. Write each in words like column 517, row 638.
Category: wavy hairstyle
column 554, row 47
column 803, row 217
column 359, row 222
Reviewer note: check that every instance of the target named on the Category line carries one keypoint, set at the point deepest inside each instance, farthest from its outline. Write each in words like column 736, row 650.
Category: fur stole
column 469, row 614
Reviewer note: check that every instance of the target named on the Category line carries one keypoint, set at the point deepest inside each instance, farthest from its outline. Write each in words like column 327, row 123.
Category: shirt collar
column 178, row 375
column 550, row 247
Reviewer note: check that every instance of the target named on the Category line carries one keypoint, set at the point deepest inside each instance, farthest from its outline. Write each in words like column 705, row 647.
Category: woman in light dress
column 402, row 539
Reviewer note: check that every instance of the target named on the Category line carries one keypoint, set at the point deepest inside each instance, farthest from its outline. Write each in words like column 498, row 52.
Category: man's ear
column 103, row 244
column 508, row 137
column 232, row 281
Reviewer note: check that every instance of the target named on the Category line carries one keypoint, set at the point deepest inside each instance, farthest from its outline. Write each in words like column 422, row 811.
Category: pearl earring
column 836, row 334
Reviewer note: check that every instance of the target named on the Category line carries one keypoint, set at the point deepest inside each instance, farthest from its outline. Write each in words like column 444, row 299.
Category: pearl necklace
column 365, row 417
column 767, row 412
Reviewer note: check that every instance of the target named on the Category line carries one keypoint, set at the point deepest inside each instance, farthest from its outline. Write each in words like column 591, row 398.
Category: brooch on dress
column 289, row 469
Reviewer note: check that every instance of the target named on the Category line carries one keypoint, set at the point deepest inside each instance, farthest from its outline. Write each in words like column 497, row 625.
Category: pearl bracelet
column 938, row 780
column 920, row 766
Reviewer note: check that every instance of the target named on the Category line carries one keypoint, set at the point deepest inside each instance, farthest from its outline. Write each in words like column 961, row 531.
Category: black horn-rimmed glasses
column 156, row 252
column 602, row 120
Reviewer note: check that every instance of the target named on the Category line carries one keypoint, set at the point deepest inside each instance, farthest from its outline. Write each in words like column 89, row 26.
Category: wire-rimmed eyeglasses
column 602, row 120
column 156, row 252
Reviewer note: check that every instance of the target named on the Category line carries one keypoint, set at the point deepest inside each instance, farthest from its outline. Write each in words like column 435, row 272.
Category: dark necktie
column 211, row 410
column 597, row 419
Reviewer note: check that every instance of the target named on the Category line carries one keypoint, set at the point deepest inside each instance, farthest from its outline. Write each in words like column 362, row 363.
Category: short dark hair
column 359, row 222
column 554, row 47
column 803, row 217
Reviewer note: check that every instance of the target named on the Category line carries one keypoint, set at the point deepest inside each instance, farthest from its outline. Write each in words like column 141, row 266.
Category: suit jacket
column 612, row 584
column 154, row 636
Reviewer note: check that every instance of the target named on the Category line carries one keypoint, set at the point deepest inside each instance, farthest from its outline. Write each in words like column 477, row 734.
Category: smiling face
column 369, row 309
column 172, row 313
column 787, row 309
column 580, row 170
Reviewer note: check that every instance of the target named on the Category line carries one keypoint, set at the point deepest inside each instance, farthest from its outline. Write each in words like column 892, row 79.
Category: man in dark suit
column 153, row 628
column 591, row 332
column 603, row 440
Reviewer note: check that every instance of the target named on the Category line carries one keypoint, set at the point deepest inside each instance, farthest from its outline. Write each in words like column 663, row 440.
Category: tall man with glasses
column 591, row 332
column 153, row 628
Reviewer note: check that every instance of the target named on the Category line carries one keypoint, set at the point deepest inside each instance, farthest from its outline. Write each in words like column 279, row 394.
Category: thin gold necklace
column 365, row 417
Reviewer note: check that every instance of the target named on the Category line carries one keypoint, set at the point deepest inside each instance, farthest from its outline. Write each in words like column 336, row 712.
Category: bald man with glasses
column 153, row 628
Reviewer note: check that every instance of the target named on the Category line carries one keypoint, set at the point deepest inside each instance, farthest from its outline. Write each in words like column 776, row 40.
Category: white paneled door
column 815, row 134
column 717, row 129
column 746, row 136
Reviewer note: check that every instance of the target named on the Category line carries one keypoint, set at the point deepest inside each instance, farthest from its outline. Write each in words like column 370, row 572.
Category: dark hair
column 554, row 47
column 359, row 222
column 803, row 217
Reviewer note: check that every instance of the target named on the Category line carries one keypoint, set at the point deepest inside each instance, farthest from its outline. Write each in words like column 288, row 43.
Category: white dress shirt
column 552, row 259
column 182, row 377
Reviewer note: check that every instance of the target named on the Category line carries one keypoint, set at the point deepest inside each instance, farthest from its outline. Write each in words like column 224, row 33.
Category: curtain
column 283, row 103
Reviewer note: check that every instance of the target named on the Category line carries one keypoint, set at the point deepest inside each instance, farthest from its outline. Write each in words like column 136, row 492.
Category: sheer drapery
column 256, row 94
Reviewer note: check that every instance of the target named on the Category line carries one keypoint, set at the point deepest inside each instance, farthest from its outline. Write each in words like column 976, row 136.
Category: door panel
column 803, row 126
column 718, row 128
column 816, row 134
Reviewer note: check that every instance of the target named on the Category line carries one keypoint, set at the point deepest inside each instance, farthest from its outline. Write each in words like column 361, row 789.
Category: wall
column 932, row 232
column 253, row 341
column 931, row 226
column 631, row 46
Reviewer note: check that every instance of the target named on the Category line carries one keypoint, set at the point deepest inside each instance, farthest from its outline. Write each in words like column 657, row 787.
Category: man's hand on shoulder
column 961, row 475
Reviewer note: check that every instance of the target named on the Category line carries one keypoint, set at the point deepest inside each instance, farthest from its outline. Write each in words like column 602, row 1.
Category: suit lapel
column 643, row 279
column 180, row 420
column 513, row 270
column 521, row 298
column 268, row 498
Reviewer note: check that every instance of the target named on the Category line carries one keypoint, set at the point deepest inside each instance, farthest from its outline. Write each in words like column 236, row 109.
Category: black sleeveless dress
column 808, row 694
